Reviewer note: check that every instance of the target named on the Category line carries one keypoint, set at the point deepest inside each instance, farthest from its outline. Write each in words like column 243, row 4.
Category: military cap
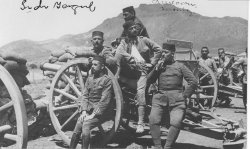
column 128, row 24
column 99, row 58
column 221, row 49
column 170, row 47
column 97, row 33
column 129, row 9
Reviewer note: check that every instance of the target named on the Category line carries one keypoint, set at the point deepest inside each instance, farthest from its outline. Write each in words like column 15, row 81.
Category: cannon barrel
column 55, row 67
column 50, row 67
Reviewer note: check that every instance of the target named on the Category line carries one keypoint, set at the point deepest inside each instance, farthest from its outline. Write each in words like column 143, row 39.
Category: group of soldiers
column 138, row 58
column 222, row 73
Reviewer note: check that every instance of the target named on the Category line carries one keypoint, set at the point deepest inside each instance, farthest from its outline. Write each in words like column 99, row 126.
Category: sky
column 18, row 22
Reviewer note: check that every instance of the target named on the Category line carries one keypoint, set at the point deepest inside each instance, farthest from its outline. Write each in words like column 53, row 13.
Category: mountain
column 162, row 22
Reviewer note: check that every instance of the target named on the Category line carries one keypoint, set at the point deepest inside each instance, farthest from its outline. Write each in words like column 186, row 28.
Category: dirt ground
column 123, row 138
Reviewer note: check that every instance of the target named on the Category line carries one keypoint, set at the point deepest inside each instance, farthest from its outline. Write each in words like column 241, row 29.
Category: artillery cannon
column 68, row 83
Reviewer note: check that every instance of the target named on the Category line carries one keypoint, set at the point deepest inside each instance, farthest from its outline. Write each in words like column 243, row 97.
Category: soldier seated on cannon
column 170, row 98
column 95, row 103
column 130, row 15
column 134, row 60
column 99, row 48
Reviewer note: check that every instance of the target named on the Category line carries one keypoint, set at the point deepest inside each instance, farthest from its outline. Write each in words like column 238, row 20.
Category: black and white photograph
column 123, row 74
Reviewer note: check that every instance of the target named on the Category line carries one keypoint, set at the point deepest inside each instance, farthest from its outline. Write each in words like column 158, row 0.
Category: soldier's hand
column 83, row 116
column 89, row 117
column 148, row 65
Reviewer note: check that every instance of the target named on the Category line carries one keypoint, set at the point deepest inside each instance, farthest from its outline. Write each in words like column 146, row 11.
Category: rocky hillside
column 162, row 24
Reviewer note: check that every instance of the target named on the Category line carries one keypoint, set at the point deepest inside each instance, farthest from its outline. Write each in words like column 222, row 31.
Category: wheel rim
column 77, row 89
column 21, row 134
column 207, row 91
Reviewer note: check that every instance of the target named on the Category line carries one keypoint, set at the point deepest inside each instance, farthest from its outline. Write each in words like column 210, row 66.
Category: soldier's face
column 221, row 53
column 97, row 41
column 96, row 67
column 204, row 52
column 128, row 16
column 167, row 56
column 133, row 31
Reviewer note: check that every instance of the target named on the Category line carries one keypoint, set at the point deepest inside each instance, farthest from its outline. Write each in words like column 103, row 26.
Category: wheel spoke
column 4, row 128
column 65, row 94
column 201, row 96
column 72, row 85
column 204, row 76
column 11, row 137
column 208, row 86
column 65, row 107
column 80, row 78
column 69, row 119
column 8, row 105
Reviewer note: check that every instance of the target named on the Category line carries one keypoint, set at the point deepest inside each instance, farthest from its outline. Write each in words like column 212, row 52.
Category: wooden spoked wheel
column 65, row 91
column 206, row 94
column 14, row 126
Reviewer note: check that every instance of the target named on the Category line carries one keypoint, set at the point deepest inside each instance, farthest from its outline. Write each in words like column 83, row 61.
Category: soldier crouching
column 170, row 98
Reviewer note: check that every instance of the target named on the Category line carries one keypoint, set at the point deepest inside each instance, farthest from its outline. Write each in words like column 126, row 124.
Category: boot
column 74, row 140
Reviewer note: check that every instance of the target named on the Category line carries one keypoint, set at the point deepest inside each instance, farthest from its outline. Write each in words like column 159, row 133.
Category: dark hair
column 99, row 58
column 129, row 9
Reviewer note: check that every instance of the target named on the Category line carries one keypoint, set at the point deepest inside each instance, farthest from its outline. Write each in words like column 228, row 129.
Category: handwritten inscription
column 164, row 4
column 57, row 5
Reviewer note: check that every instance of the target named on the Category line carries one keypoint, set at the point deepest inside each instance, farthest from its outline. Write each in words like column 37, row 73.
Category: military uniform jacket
column 145, row 47
column 243, row 63
column 143, row 31
column 210, row 63
column 170, row 77
column 105, row 51
column 97, row 94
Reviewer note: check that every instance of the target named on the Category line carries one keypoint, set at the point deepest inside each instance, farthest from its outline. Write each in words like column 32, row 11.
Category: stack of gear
column 61, row 56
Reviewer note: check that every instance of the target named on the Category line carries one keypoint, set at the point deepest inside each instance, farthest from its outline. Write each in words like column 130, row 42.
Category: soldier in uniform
column 206, row 60
column 129, row 15
column 170, row 98
column 98, row 49
column 223, row 75
column 224, row 63
column 243, row 63
column 95, row 103
column 134, row 52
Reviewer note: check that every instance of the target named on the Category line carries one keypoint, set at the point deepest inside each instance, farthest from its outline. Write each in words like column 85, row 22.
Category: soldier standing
column 243, row 63
column 134, row 51
column 206, row 60
column 224, row 63
column 223, row 75
column 170, row 98
column 95, row 103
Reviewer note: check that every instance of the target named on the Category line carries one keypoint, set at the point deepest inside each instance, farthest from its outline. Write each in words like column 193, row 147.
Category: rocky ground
column 125, row 139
